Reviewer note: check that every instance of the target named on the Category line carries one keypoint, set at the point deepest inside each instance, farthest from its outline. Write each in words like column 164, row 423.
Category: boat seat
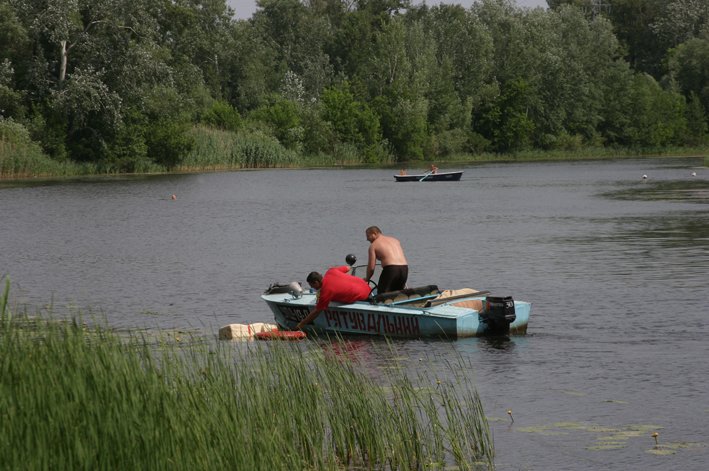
column 406, row 294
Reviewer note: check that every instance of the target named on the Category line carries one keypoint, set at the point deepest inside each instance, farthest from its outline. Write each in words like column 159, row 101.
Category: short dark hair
column 314, row 276
column 373, row 230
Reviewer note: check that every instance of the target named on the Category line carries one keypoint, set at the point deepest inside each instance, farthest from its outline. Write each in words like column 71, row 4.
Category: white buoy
column 644, row 177
column 694, row 174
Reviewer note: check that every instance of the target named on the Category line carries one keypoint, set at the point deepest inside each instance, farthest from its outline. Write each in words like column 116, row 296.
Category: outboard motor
column 297, row 291
column 498, row 314
column 293, row 288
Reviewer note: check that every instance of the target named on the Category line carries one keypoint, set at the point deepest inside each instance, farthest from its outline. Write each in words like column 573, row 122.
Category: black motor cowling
column 498, row 314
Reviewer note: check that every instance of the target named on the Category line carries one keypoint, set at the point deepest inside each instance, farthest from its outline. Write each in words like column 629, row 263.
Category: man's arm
column 309, row 318
column 324, row 298
column 371, row 262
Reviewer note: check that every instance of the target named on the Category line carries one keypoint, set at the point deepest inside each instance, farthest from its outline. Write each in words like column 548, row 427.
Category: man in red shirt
column 337, row 285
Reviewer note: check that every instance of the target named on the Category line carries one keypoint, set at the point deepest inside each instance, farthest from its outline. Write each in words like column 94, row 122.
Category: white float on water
column 244, row 331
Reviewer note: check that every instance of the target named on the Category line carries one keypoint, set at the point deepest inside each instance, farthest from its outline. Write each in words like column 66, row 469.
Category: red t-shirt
column 338, row 285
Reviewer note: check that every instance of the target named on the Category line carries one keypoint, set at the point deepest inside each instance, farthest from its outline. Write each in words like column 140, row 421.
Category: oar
column 427, row 175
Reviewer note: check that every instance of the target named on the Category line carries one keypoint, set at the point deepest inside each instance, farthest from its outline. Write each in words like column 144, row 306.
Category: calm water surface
column 616, row 267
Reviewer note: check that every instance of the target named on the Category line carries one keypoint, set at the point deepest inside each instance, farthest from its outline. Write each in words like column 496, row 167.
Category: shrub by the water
column 21, row 157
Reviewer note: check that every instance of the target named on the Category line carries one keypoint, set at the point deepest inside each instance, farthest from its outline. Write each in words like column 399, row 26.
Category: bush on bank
column 21, row 157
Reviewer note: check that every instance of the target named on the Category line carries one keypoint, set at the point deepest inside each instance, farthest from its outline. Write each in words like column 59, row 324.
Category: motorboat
column 420, row 312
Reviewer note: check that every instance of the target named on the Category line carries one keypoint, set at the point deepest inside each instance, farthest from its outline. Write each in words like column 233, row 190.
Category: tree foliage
column 122, row 84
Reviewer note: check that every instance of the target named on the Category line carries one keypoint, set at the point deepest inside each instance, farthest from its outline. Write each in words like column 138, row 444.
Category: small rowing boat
column 430, row 177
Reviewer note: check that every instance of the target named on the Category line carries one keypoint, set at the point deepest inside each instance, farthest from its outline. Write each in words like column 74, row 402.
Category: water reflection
column 505, row 344
column 690, row 191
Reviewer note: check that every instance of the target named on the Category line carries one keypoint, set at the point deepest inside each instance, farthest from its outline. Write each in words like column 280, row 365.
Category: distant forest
column 126, row 85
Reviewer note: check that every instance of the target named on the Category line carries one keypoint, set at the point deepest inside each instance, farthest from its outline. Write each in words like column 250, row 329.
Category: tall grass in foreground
column 73, row 397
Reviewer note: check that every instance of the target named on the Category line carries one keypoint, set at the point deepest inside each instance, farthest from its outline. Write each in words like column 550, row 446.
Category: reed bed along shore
column 219, row 150
column 80, row 397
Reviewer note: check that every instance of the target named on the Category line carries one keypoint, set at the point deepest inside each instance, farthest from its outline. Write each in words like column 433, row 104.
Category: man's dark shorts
column 393, row 278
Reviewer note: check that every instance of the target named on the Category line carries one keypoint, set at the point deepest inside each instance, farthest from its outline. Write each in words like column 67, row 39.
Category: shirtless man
column 395, row 268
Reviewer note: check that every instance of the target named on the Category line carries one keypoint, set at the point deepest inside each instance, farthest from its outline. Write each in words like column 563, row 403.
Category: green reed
column 79, row 397
column 28, row 160
column 221, row 150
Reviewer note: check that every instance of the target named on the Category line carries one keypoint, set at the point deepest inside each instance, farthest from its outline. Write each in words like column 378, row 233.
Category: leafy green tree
column 222, row 115
column 398, row 75
column 616, row 102
column 657, row 116
column 128, row 151
column 352, row 121
column 11, row 100
column 505, row 121
column 688, row 66
column 297, row 35
column 14, row 44
column 166, row 127
column 283, row 117
column 697, row 126
column 353, row 41
column 91, row 108
column 250, row 68
column 681, row 21
column 197, row 33
column 631, row 20
column 464, row 44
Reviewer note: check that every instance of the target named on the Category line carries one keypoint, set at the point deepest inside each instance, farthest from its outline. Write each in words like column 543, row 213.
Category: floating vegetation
column 548, row 430
column 610, row 438
column 604, row 445
column 673, row 448
column 570, row 392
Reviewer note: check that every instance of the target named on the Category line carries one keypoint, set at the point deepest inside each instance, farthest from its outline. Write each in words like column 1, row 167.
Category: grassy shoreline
column 73, row 171
column 80, row 397
column 220, row 151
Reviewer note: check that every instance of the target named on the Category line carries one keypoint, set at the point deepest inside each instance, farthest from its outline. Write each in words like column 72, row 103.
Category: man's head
column 314, row 280
column 372, row 233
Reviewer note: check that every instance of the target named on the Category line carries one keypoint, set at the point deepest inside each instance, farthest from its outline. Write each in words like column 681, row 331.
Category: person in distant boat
column 337, row 285
column 395, row 268
column 403, row 172
column 434, row 169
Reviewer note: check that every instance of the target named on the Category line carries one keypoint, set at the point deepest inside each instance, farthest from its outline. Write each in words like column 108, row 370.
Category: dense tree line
column 128, row 84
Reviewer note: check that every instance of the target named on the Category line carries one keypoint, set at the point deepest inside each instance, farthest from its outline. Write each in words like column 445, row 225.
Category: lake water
column 615, row 265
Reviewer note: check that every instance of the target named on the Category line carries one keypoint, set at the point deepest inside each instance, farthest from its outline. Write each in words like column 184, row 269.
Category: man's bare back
column 388, row 251
column 384, row 248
